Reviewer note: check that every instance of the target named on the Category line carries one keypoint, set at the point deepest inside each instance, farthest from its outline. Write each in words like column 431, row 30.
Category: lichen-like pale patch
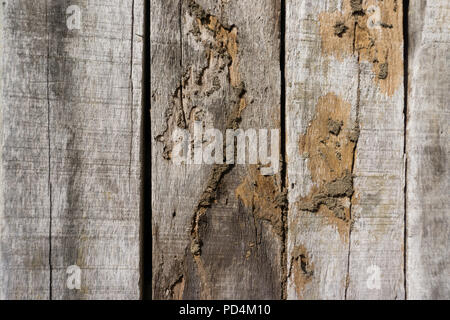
column 375, row 36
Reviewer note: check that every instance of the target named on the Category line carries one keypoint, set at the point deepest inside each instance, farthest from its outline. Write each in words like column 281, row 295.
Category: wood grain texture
column 428, row 231
column 25, row 202
column 344, row 110
column 357, row 210
column 213, row 238
column 70, row 145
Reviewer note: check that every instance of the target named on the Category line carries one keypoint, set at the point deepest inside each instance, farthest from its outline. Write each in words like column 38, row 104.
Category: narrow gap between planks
column 146, row 161
column 405, row 155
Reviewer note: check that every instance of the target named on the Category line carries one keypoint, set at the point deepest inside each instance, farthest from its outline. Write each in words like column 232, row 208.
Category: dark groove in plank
column 146, row 160
column 131, row 95
column 49, row 155
column 405, row 119
column 283, row 172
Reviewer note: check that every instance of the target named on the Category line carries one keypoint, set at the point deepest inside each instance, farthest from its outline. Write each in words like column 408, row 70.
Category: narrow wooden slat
column 428, row 257
column 24, row 196
column 217, row 229
column 344, row 112
column 71, row 130
column 165, row 52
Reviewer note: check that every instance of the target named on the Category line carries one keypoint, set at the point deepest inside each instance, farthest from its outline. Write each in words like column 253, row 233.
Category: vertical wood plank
column 81, row 89
column 214, row 235
column 428, row 258
column 24, row 194
column 168, row 241
column 344, row 102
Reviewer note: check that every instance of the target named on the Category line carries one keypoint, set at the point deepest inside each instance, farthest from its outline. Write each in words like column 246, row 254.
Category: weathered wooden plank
column 428, row 230
column 217, row 229
column 72, row 97
column 165, row 48
column 344, row 108
column 24, row 196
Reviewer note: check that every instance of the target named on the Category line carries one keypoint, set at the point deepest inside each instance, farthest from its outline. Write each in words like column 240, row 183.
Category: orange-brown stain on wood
column 177, row 289
column 329, row 146
column 221, row 50
column 301, row 268
column 227, row 39
column 262, row 195
column 374, row 31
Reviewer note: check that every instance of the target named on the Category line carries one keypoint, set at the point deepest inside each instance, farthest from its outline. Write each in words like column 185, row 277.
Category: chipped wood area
column 263, row 196
column 329, row 149
column 301, row 269
column 373, row 30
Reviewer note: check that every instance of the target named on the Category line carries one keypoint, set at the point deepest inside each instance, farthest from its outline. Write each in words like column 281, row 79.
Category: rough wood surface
column 428, row 232
column 344, row 109
column 70, row 110
column 214, row 237
column 358, row 208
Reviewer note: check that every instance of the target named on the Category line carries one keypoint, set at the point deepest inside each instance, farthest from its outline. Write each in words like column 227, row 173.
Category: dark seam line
column 181, row 53
column 358, row 98
column 132, row 98
column 49, row 157
column 283, row 144
column 145, row 160
column 405, row 119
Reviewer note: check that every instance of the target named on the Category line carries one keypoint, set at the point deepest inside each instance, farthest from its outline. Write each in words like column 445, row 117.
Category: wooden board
column 344, row 113
column 428, row 231
column 25, row 201
column 214, row 237
column 70, row 149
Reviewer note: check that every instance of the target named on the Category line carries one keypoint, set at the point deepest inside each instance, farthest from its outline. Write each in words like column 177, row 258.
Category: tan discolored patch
column 221, row 73
column 301, row 268
column 178, row 289
column 371, row 29
column 227, row 39
column 262, row 195
column 330, row 143
column 323, row 140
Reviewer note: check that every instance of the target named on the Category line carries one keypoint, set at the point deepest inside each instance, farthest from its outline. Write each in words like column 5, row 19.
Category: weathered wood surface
column 428, row 228
column 70, row 170
column 217, row 229
column 366, row 159
column 344, row 107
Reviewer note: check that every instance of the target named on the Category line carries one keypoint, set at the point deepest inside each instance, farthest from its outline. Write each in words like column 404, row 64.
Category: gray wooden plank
column 25, row 204
column 344, row 101
column 428, row 257
column 214, row 237
column 82, row 88
column 165, row 48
